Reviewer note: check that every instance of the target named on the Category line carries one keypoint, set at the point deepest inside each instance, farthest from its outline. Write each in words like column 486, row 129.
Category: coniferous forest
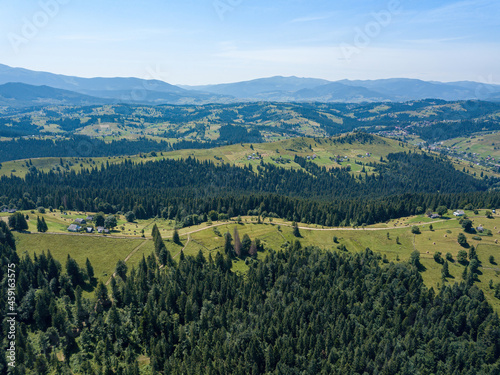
column 298, row 311
column 187, row 190
column 232, row 187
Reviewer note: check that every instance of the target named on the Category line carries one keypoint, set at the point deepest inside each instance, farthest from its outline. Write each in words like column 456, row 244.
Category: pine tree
column 176, row 237
column 90, row 270
column 165, row 257
column 464, row 274
column 155, row 232
column 445, row 271
column 296, row 231
column 102, row 298
column 45, row 228
column 73, row 271
column 39, row 226
column 472, row 253
column 245, row 245
column 18, row 222
column 121, row 269
column 228, row 247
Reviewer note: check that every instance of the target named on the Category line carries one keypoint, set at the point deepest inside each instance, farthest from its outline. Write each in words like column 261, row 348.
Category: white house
column 459, row 213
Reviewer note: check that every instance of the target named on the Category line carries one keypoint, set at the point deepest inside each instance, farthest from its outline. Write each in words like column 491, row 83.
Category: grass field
column 393, row 240
column 102, row 252
column 324, row 151
column 483, row 145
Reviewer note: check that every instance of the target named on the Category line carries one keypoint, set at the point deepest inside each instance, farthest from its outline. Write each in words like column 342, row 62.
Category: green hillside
column 346, row 151
column 394, row 240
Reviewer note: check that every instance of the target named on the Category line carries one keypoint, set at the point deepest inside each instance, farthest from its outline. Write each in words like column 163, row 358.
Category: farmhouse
column 80, row 221
column 102, row 230
column 459, row 213
column 90, row 230
column 74, row 228
column 90, row 218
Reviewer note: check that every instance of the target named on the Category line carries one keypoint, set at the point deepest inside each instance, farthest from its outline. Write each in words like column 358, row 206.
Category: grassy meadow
column 394, row 240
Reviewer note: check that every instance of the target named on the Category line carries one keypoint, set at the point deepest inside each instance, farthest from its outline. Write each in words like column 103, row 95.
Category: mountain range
column 22, row 87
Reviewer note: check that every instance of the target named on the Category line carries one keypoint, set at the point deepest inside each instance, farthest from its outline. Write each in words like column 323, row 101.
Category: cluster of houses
column 254, row 156
column 367, row 155
column 10, row 211
column 340, row 159
column 77, row 227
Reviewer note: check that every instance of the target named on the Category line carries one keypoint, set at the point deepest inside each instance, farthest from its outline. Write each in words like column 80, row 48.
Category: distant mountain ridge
column 15, row 94
column 278, row 88
column 124, row 90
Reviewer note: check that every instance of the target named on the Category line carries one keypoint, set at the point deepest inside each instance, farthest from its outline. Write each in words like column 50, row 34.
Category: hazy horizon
column 251, row 79
column 223, row 41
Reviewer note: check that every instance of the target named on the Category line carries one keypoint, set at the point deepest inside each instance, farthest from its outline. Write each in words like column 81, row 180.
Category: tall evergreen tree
column 90, row 269
column 17, row 221
column 176, row 237
column 44, row 226
column 39, row 226
column 228, row 246
column 245, row 245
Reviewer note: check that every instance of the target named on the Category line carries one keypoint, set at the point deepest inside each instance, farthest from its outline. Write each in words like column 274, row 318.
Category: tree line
column 189, row 190
column 298, row 310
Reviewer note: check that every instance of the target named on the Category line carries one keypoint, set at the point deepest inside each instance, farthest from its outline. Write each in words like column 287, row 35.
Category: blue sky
column 215, row 41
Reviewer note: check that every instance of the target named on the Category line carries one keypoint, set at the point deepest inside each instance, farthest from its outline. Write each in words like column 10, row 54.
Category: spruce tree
column 176, row 237
column 228, row 247
column 90, row 270
column 39, row 227
column 245, row 245
column 45, row 228
column 445, row 271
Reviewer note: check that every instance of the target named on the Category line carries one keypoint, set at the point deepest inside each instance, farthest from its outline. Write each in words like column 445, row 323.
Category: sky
column 196, row 42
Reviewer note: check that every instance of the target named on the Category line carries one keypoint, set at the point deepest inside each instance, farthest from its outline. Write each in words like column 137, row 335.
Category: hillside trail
column 187, row 242
column 364, row 229
column 127, row 258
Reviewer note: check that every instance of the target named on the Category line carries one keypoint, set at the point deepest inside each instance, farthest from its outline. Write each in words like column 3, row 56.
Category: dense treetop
column 297, row 311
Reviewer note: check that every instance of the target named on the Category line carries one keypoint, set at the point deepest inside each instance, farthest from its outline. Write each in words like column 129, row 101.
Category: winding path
column 127, row 258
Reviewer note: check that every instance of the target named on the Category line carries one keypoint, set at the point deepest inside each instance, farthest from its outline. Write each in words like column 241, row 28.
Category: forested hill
column 298, row 311
column 188, row 190
column 402, row 172
column 79, row 146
